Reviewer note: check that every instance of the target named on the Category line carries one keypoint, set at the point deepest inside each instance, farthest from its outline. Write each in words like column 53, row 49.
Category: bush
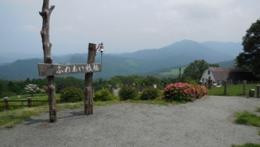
column 128, row 92
column 184, row 91
column 103, row 95
column 72, row 94
column 150, row 94
column 32, row 89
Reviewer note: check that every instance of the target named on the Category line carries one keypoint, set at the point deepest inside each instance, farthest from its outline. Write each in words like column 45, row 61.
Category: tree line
column 11, row 88
column 192, row 73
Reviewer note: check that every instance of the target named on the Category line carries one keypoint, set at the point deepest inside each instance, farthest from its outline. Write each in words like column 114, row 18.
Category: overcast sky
column 123, row 25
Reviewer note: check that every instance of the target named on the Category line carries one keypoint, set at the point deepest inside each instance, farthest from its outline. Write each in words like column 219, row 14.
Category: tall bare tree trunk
column 88, row 101
column 46, row 45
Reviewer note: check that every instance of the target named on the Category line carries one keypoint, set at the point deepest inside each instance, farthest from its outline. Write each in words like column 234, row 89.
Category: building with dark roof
column 219, row 75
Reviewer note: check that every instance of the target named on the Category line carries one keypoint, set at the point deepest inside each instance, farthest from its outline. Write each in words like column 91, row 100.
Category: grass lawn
column 247, row 145
column 248, row 118
column 251, row 119
column 232, row 90
column 10, row 118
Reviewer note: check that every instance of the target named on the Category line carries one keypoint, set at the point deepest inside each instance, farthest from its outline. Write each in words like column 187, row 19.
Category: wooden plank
column 59, row 69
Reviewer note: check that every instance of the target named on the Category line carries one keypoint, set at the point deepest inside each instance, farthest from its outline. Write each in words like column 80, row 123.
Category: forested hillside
column 140, row 62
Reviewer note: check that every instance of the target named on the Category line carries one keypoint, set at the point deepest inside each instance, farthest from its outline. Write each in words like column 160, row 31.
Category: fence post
column 209, row 83
column 225, row 88
column 29, row 102
column 258, row 91
column 6, row 104
column 251, row 93
column 244, row 87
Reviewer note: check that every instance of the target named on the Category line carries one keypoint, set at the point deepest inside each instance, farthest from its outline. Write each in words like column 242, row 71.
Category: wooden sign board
column 58, row 69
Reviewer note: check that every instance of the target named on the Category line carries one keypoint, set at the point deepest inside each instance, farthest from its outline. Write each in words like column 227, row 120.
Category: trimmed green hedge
column 72, row 94
column 128, row 92
column 103, row 95
column 150, row 94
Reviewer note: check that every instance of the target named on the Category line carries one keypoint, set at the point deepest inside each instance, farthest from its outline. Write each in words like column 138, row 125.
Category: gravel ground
column 205, row 123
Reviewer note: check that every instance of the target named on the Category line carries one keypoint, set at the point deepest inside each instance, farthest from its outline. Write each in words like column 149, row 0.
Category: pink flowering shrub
column 184, row 91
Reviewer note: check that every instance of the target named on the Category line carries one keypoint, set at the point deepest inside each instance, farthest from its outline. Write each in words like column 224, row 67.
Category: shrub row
column 131, row 93
column 104, row 95
column 75, row 94
column 173, row 91
column 128, row 92
column 150, row 94
column 72, row 94
column 184, row 91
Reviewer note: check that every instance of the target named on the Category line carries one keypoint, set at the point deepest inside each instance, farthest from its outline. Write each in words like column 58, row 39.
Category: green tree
column 1, row 89
column 194, row 70
column 249, row 59
column 213, row 65
column 14, row 87
column 148, row 81
column 99, row 84
column 62, row 83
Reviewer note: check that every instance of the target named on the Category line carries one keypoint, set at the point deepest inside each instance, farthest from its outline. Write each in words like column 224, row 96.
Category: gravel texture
column 204, row 123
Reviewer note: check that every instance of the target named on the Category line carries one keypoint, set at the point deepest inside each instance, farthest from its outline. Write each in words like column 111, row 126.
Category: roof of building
column 223, row 74
column 220, row 74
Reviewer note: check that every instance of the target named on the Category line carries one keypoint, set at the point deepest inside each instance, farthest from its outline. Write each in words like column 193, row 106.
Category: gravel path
column 204, row 123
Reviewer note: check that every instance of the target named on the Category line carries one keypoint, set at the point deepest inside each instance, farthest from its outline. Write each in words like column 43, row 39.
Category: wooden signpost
column 59, row 69
column 49, row 69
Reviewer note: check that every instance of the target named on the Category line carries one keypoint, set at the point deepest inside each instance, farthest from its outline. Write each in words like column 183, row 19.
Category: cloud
column 195, row 11
column 31, row 28
column 128, row 25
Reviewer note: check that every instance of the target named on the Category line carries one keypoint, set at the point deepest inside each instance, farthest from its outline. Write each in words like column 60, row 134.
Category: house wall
column 205, row 76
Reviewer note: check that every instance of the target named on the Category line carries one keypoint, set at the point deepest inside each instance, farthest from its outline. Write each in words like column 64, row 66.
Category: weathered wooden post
column 225, row 88
column 6, row 104
column 88, row 101
column 46, row 45
column 48, row 69
column 29, row 102
column 258, row 91
column 244, row 87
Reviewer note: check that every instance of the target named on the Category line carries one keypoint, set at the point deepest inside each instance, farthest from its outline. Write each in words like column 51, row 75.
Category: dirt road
column 204, row 123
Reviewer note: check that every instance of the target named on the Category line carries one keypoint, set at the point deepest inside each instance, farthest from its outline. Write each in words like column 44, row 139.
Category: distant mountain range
column 141, row 62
